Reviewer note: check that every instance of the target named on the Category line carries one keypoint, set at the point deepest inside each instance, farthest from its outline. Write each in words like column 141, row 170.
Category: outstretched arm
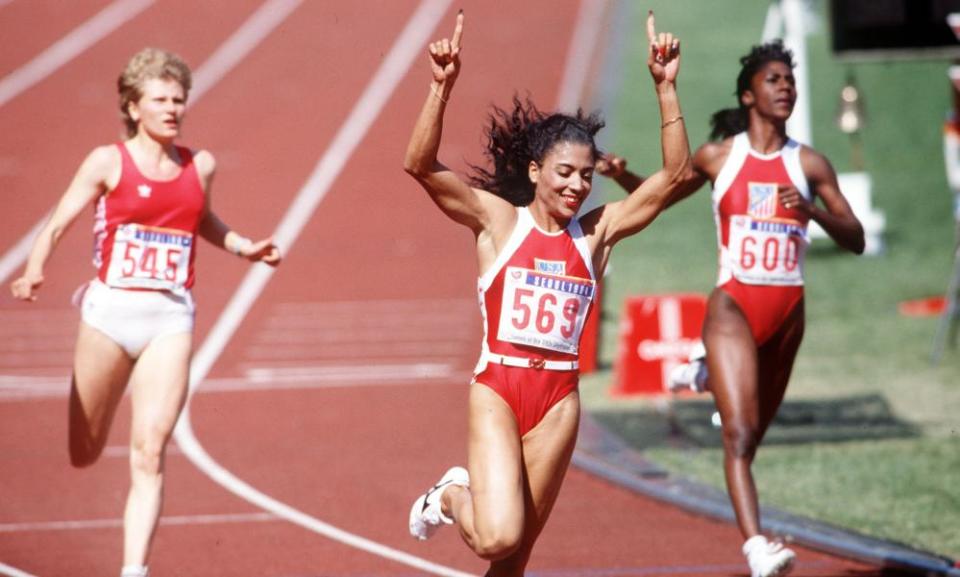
column 454, row 197
column 621, row 219
column 838, row 219
column 88, row 183
column 217, row 233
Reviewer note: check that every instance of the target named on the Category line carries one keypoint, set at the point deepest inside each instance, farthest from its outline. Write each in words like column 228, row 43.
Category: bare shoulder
column 102, row 160
column 709, row 158
column 205, row 162
column 816, row 166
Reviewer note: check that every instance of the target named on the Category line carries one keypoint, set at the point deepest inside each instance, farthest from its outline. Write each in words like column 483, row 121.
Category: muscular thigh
column 495, row 463
column 159, row 384
column 776, row 358
column 731, row 359
column 547, row 451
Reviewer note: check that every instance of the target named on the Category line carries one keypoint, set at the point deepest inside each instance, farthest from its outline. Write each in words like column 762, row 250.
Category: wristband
column 239, row 245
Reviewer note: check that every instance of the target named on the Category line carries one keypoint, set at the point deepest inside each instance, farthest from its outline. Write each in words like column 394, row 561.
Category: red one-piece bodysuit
column 762, row 243
column 534, row 301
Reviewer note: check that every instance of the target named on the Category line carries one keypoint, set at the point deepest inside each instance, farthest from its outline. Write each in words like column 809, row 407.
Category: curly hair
column 516, row 137
column 730, row 121
column 144, row 65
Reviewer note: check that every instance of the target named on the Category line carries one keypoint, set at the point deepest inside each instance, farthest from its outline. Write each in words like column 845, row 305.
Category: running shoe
column 691, row 375
column 768, row 558
column 426, row 515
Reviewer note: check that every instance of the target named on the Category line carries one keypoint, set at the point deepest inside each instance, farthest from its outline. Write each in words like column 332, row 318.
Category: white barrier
column 856, row 187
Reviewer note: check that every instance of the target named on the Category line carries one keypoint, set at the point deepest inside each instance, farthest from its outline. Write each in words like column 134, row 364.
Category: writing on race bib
column 767, row 252
column 149, row 257
column 544, row 310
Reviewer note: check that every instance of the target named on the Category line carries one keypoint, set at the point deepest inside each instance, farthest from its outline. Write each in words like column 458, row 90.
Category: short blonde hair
column 144, row 65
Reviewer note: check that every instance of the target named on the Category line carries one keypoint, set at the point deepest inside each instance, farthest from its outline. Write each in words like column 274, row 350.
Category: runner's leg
column 101, row 369
column 158, row 390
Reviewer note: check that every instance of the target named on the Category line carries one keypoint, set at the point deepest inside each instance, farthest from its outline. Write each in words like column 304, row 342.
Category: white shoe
column 768, row 559
column 691, row 375
column 426, row 515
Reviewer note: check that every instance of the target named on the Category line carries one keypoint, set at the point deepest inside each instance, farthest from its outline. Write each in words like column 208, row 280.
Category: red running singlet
column 534, row 301
column 145, row 230
column 762, row 244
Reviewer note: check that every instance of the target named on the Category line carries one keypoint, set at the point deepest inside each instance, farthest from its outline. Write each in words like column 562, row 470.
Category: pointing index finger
column 458, row 31
column 651, row 29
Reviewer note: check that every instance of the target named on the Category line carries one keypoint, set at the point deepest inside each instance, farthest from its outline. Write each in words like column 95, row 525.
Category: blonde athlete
column 152, row 200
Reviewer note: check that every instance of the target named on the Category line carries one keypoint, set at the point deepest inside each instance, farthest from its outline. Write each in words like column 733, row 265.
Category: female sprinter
column 538, row 267
column 764, row 186
column 152, row 200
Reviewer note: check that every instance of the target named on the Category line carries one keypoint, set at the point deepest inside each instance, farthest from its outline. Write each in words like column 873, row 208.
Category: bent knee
column 84, row 452
column 147, row 458
column 495, row 547
column 740, row 440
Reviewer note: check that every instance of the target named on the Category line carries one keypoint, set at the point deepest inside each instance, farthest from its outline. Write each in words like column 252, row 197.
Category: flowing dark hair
column 729, row 121
column 516, row 137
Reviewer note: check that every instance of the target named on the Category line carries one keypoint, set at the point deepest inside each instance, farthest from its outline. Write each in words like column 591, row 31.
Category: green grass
column 870, row 437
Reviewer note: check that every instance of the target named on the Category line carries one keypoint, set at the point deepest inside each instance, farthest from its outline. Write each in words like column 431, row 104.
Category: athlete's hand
column 664, row 58
column 264, row 251
column 610, row 165
column 445, row 55
column 25, row 287
column 790, row 197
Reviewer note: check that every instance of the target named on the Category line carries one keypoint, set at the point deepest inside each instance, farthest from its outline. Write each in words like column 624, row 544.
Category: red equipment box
column 656, row 334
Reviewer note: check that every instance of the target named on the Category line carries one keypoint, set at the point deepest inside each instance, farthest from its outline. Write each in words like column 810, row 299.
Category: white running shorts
column 134, row 318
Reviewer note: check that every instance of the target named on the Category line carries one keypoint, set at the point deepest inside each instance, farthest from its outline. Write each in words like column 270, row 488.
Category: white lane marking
column 87, row 524
column 254, row 29
column 589, row 23
column 367, row 109
column 13, row 571
column 69, row 47
column 266, row 378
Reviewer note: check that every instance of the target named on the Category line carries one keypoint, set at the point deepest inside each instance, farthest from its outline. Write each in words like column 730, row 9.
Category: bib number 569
column 547, row 307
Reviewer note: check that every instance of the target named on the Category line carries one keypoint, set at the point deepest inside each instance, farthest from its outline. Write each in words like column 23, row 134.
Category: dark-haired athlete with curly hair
column 538, row 268
column 764, row 186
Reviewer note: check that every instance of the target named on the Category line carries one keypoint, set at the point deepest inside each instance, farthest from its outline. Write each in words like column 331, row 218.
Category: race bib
column 149, row 257
column 767, row 252
column 544, row 310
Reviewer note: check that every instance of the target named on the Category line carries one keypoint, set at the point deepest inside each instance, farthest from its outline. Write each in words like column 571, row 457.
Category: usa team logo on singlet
column 763, row 199
column 554, row 267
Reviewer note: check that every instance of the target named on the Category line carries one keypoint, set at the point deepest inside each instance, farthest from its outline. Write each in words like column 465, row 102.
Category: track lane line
column 226, row 57
column 382, row 85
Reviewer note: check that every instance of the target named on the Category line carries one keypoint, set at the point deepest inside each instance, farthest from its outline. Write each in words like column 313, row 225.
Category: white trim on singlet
column 791, row 161
column 580, row 241
column 521, row 229
column 731, row 167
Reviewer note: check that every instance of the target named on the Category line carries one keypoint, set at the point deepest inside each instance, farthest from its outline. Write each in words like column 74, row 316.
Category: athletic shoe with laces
column 768, row 558
column 691, row 375
column 426, row 515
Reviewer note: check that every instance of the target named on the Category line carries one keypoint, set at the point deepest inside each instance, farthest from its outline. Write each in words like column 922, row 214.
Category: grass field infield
column 869, row 436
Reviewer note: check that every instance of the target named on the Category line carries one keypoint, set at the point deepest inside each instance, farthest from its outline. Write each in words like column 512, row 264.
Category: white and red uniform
column 145, row 234
column 762, row 244
column 534, row 301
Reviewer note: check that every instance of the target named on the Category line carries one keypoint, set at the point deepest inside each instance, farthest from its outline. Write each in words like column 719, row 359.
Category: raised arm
column 455, row 197
column 89, row 182
column 838, row 219
column 618, row 220
column 217, row 233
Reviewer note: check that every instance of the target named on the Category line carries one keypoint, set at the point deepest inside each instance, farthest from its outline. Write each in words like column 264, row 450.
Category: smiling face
column 563, row 179
column 773, row 91
column 159, row 110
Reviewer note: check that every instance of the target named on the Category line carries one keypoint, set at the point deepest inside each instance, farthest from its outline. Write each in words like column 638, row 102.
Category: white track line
column 112, row 523
column 589, row 24
column 13, row 571
column 261, row 23
column 69, row 47
column 384, row 82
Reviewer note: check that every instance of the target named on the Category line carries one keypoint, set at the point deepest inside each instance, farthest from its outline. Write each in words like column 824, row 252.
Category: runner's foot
column 766, row 558
column 426, row 515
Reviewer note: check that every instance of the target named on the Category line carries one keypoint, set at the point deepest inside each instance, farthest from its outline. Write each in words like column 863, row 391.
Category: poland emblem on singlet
column 763, row 199
column 144, row 190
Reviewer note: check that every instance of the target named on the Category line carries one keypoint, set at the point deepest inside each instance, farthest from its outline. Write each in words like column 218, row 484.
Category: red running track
column 343, row 391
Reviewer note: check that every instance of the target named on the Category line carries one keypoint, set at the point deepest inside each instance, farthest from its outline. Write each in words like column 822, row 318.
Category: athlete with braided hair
column 538, row 268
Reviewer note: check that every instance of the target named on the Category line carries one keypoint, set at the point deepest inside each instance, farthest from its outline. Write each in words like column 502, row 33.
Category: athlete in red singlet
column 152, row 201
column 538, row 263
column 764, row 190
